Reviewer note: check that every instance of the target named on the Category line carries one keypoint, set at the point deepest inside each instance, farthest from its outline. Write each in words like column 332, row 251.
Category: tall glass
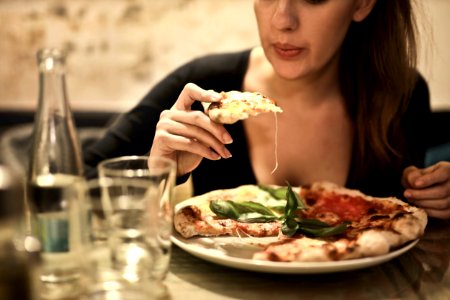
column 119, row 240
column 158, row 174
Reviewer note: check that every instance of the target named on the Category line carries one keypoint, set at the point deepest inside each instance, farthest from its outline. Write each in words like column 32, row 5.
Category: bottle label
column 54, row 233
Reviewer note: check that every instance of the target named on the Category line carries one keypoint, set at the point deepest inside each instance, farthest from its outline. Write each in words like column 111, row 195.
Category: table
column 421, row 273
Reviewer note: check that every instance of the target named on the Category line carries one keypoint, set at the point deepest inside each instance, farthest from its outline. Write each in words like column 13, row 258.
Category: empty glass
column 120, row 239
column 158, row 174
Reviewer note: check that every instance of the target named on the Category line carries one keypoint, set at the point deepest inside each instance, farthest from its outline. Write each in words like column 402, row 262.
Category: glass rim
column 167, row 166
column 106, row 182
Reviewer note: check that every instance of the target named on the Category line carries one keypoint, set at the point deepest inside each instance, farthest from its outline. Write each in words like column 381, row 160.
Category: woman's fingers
column 437, row 174
column 435, row 192
column 421, row 178
column 199, row 120
column 190, row 126
column 438, row 213
column 181, row 143
column 429, row 188
column 410, row 175
column 441, row 204
column 191, row 93
column 187, row 136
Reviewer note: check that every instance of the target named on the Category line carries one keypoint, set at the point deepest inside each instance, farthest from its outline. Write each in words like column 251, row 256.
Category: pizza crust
column 307, row 249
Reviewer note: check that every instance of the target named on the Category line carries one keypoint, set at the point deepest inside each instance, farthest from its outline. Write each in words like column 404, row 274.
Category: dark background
column 95, row 122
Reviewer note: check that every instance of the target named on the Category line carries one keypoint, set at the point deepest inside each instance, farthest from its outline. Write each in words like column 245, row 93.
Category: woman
column 344, row 74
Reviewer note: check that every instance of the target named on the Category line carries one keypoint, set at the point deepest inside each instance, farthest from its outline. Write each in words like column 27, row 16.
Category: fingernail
column 215, row 156
column 227, row 153
column 408, row 194
column 227, row 139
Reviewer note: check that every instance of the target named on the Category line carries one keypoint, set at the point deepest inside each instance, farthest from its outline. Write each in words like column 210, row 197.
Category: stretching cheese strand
column 276, row 144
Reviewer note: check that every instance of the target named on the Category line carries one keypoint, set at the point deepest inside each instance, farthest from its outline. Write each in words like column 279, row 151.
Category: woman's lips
column 287, row 51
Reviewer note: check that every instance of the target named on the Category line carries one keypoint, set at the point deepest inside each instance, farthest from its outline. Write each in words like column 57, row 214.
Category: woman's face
column 302, row 37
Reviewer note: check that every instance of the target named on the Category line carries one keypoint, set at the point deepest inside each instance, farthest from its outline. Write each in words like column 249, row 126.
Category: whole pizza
column 314, row 223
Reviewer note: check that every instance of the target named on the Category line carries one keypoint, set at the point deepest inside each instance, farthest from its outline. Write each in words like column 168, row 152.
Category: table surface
column 421, row 273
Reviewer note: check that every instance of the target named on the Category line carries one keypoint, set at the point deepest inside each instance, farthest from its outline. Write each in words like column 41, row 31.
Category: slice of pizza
column 194, row 217
column 376, row 226
column 236, row 105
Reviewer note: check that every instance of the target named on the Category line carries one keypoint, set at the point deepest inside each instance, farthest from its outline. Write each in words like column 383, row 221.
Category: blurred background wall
column 118, row 49
column 434, row 44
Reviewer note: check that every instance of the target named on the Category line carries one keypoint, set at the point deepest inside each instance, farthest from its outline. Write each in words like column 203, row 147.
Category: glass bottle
column 55, row 175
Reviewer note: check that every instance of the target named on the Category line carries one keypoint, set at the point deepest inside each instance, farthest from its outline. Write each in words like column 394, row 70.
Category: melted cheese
column 276, row 143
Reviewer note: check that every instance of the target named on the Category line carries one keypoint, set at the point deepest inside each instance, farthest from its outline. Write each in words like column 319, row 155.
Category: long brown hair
column 377, row 77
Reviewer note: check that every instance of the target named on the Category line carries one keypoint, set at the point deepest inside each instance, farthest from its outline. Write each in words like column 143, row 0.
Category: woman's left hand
column 429, row 188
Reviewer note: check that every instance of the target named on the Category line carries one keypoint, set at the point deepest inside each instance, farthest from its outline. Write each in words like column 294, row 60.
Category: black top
column 133, row 132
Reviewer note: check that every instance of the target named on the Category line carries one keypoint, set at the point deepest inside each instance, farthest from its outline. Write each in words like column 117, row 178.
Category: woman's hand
column 429, row 188
column 187, row 136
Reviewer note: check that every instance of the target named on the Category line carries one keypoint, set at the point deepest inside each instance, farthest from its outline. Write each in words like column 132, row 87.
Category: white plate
column 236, row 253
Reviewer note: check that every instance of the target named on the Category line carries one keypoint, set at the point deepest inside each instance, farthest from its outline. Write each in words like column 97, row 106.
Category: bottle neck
column 56, row 148
column 52, row 98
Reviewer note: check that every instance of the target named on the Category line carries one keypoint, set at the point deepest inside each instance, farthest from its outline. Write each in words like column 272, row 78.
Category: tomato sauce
column 347, row 208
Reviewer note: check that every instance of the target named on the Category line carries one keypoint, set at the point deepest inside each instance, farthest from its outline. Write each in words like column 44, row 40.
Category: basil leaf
column 323, row 232
column 313, row 223
column 254, row 217
column 249, row 206
column 292, row 202
column 247, row 211
column 277, row 193
column 224, row 209
column 289, row 227
column 278, row 209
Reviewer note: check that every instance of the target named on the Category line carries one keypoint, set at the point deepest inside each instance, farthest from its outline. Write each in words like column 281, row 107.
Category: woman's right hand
column 187, row 136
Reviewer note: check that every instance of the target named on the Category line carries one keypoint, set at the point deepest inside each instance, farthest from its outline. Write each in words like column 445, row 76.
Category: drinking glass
column 158, row 174
column 119, row 239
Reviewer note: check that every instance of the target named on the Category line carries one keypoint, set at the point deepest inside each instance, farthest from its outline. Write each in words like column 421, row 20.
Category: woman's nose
column 285, row 17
